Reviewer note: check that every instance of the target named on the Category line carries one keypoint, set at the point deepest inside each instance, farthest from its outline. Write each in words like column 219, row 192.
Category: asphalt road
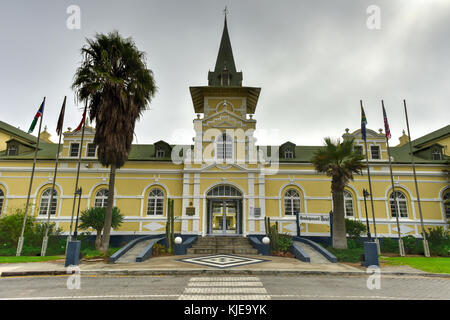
column 232, row 287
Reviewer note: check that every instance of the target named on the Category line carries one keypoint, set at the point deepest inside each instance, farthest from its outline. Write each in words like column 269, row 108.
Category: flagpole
column 425, row 242
column 400, row 241
column 21, row 238
column 69, row 238
column 45, row 239
column 371, row 193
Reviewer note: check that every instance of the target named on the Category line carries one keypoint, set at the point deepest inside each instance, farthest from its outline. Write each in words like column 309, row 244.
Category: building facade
column 224, row 184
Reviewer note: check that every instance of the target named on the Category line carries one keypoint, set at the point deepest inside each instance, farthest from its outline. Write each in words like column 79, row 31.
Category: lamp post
column 78, row 193
column 366, row 194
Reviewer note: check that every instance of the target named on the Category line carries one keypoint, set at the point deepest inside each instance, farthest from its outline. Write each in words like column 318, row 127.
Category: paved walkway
column 170, row 265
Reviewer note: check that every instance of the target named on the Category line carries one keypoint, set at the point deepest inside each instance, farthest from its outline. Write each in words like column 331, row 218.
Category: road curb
column 192, row 272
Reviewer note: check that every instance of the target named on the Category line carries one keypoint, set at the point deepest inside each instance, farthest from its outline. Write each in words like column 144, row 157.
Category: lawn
column 22, row 259
column 434, row 265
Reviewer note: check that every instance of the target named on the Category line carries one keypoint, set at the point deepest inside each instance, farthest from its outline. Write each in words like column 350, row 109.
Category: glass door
column 224, row 217
column 217, row 217
column 231, row 210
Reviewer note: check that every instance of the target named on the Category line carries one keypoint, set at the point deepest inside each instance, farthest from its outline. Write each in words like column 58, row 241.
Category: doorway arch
column 224, row 211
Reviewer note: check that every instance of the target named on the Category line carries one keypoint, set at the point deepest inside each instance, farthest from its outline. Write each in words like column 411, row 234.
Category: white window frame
column 435, row 152
column 160, row 153
column 289, row 154
column 70, row 149
column 445, row 197
column 2, row 200
column 293, row 199
column 13, row 147
column 402, row 204
column 348, row 198
column 224, row 149
column 87, row 150
column 379, row 152
column 155, row 202
column 102, row 197
column 44, row 204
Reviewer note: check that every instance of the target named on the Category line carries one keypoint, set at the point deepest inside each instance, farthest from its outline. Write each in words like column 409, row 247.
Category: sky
column 314, row 60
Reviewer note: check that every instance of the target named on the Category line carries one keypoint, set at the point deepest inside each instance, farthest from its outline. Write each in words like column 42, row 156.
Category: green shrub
column 389, row 245
column 11, row 228
column 347, row 255
column 353, row 244
column 437, row 236
column 418, row 248
column 355, row 228
column 284, row 242
column 409, row 242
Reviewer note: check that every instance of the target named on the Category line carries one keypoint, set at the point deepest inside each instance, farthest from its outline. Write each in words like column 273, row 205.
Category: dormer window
column 436, row 154
column 12, row 150
column 160, row 153
column 288, row 154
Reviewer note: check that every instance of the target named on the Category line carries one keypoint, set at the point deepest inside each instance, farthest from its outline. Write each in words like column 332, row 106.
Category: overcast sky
column 314, row 61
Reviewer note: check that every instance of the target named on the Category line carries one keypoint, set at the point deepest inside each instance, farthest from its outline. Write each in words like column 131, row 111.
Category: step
column 222, row 251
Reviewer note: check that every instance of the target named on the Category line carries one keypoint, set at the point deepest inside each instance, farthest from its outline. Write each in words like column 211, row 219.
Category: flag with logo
column 37, row 116
column 59, row 126
column 386, row 125
column 363, row 124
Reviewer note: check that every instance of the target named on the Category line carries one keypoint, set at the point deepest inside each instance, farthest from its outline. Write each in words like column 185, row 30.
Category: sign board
column 315, row 218
column 190, row 211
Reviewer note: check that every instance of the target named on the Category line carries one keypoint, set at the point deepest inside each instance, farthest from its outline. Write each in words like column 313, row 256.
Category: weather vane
column 226, row 12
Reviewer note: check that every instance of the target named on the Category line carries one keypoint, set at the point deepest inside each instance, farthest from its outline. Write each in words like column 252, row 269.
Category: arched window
column 101, row 198
column 291, row 202
column 155, row 202
column 401, row 204
column 348, row 204
column 224, row 191
column 446, row 201
column 224, row 147
column 45, row 202
column 2, row 200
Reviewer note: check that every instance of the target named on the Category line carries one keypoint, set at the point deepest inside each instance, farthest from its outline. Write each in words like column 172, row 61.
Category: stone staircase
column 222, row 245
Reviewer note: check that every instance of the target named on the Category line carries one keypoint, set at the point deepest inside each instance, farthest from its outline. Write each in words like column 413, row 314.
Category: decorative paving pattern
column 225, row 288
column 223, row 261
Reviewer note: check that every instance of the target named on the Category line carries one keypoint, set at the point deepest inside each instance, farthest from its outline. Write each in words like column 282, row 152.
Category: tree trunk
column 98, row 240
column 339, row 232
column 109, row 207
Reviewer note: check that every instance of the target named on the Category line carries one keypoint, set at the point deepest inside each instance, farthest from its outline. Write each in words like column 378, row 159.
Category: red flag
column 386, row 125
column 82, row 121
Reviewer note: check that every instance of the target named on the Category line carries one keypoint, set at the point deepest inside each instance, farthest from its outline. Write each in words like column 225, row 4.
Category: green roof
column 17, row 132
column 417, row 143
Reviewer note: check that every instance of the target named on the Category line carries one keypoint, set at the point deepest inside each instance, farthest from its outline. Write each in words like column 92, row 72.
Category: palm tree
column 114, row 80
column 339, row 161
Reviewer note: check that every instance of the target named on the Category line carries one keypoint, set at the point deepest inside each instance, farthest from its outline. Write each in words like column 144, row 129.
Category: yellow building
column 224, row 183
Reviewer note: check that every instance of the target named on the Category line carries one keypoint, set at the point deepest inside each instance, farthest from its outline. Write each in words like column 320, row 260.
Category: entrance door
column 224, row 217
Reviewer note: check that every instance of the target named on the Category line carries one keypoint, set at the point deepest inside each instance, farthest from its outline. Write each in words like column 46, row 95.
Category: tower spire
column 225, row 73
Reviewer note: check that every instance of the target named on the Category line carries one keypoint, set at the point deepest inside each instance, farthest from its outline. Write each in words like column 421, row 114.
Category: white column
column 196, row 202
column 262, row 199
column 184, row 223
column 251, row 203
